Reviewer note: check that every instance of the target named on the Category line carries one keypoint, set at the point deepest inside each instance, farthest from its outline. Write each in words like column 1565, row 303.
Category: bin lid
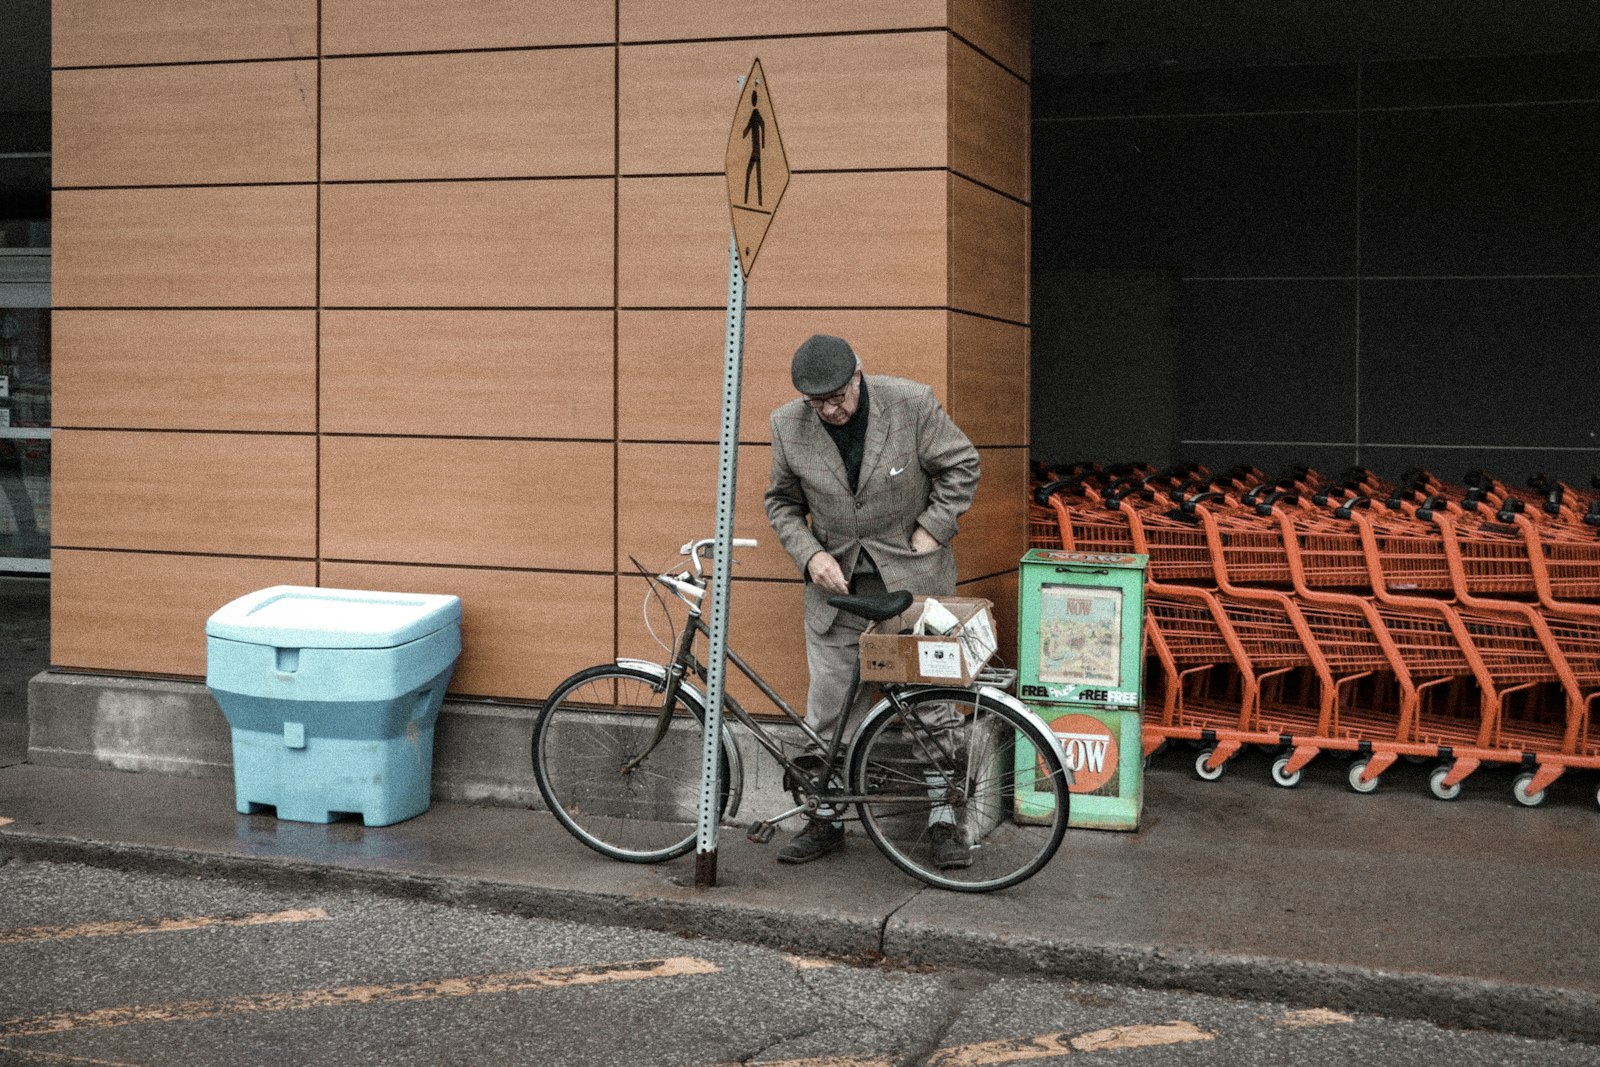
column 295, row 616
column 1132, row 560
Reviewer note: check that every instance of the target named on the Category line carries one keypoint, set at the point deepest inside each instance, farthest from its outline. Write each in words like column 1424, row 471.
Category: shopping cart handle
column 1190, row 485
column 1043, row 494
column 1117, row 494
column 1553, row 498
column 1401, row 496
column 1280, row 497
column 1199, row 498
column 1292, row 477
column 1167, row 474
column 1426, row 509
column 1325, row 497
column 1343, row 511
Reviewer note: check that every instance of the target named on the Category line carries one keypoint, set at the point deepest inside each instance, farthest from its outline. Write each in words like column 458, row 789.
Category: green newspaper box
column 1081, row 668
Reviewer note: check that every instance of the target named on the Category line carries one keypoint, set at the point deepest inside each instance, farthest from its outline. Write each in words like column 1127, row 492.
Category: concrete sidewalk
column 1474, row 913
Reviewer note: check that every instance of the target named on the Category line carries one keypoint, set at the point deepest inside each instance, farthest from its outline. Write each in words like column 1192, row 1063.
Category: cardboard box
column 887, row 655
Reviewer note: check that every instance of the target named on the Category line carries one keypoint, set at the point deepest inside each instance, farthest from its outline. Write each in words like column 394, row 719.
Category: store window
column 24, row 397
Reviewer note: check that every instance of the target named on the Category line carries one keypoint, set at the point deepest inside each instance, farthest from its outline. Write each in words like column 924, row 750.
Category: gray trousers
column 834, row 658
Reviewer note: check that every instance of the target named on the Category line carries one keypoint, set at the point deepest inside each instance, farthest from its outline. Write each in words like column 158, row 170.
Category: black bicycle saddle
column 877, row 608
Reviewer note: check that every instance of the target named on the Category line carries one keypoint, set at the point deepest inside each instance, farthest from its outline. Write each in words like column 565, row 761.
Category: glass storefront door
column 25, row 410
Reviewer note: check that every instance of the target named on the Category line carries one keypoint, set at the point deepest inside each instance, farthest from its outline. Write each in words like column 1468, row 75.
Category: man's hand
column 922, row 540
column 824, row 570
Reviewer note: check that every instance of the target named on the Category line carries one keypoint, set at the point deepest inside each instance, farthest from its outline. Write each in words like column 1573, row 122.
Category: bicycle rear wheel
column 607, row 777
column 996, row 779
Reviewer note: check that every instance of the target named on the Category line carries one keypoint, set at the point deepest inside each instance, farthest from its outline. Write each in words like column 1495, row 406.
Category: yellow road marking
column 1173, row 1033
column 1006, row 1050
column 1022, row 1049
column 1313, row 1017
column 808, row 963
column 1043, row 1046
column 397, row 993
column 158, row 926
column 829, row 1061
column 61, row 1057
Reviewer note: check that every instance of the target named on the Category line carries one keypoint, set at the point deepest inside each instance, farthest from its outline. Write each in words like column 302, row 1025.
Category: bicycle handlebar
column 701, row 549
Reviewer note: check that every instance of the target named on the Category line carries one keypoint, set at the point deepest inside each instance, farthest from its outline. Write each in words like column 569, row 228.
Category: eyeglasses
column 832, row 400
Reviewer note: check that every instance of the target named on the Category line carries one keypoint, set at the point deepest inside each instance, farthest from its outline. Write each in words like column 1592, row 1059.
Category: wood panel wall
column 400, row 294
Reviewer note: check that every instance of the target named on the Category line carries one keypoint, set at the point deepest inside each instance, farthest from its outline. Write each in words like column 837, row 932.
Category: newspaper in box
column 943, row 639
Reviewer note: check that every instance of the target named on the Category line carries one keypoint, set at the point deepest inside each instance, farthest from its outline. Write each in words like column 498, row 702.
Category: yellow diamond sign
column 758, row 171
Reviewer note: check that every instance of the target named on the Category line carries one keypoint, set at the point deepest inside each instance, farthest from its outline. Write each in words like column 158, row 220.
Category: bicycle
column 618, row 749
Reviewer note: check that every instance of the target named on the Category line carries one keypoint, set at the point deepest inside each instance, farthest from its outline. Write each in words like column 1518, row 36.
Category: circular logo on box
column 1090, row 750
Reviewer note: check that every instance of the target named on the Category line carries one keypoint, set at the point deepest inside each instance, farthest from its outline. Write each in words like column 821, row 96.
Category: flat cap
column 822, row 365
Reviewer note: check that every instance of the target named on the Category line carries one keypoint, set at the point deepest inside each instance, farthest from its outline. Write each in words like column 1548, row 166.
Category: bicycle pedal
column 761, row 832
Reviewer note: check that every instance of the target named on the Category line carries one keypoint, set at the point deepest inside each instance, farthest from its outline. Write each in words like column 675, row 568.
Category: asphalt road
column 112, row 968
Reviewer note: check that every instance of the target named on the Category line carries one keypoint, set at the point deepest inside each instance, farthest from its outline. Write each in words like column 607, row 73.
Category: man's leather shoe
column 949, row 851
column 817, row 840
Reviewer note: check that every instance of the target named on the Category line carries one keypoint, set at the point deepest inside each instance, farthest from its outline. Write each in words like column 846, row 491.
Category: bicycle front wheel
column 969, row 763
column 624, row 781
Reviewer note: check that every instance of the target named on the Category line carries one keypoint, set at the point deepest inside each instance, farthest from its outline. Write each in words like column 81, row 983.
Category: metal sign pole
column 705, row 865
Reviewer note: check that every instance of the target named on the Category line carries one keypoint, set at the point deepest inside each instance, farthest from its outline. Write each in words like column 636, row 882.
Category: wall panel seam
column 474, row 180
column 316, row 398
column 798, row 307
column 226, row 307
column 985, row 185
column 499, row 568
column 179, row 185
column 225, row 431
column 112, row 550
column 989, row 577
column 927, row 169
column 237, row 60
column 488, row 50
column 232, row 61
column 986, row 55
column 644, row 42
column 357, row 435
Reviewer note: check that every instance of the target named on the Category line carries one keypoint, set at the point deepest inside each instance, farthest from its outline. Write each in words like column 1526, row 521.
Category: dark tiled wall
column 1391, row 264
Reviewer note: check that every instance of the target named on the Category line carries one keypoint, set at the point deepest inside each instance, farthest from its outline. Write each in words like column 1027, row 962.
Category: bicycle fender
column 697, row 701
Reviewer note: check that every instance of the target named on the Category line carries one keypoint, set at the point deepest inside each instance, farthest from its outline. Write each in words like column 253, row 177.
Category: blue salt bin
column 332, row 695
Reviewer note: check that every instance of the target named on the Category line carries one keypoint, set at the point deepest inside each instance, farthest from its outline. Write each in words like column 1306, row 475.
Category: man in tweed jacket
column 869, row 480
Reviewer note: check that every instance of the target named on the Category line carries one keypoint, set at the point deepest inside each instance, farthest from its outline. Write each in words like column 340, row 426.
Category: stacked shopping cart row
column 1386, row 621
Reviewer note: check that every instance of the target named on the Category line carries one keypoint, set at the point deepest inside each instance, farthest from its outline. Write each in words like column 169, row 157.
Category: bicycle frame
column 816, row 786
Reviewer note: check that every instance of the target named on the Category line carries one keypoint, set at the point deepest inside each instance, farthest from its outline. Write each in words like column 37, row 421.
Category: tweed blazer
column 917, row 469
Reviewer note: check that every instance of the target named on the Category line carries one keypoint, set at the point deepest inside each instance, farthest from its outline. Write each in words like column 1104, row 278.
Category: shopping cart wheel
column 1209, row 774
column 1357, row 769
column 1280, row 775
column 1519, row 789
column 1436, row 783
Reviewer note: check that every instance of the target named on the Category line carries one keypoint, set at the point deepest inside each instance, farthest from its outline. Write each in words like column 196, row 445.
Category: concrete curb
column 1529, row 1011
